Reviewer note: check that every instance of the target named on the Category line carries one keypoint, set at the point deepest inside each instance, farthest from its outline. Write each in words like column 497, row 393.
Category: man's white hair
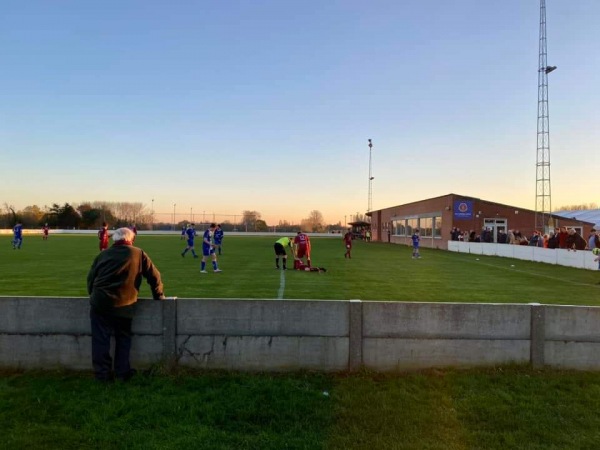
column 123, row 234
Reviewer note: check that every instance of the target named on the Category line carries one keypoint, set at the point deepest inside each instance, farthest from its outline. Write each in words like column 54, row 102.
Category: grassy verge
column 508, row 408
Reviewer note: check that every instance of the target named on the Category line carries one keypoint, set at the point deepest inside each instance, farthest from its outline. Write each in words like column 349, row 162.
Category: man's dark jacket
column 575, row 240
column 114, row 279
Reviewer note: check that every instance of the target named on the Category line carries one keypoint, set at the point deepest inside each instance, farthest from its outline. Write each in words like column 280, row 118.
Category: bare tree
column 249, row 219
column 314, row 222
column 582, row 207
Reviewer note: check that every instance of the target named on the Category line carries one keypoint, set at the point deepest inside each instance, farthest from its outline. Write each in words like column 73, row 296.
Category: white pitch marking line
column 281, row 285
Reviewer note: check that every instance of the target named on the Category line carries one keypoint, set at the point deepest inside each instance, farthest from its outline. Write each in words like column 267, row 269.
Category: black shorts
column 279, row 250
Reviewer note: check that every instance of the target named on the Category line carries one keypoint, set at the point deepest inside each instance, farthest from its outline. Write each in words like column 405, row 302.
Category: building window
column 437, row 227
column 399, row 227
column 429, row 225
column 411, row 226
column 426, row 226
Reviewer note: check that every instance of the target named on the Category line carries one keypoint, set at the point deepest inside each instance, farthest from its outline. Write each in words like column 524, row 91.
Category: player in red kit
column 103, row 236
column 45, row 231
column 348, row 243
column 301, row 266
column 301, row 249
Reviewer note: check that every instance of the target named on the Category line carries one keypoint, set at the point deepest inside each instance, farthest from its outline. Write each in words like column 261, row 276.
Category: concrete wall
column 581, row 259
column 280, row 335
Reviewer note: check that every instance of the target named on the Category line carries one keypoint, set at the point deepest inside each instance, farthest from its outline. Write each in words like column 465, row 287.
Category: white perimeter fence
column 581, row 259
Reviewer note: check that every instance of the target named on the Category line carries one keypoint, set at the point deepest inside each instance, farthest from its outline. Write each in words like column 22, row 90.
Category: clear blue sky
column 267, row 105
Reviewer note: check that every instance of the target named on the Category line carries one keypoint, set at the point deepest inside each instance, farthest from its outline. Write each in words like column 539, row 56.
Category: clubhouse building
column 436, row 217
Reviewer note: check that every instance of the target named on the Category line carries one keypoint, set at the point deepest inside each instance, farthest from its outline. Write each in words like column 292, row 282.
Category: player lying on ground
column 299, row 265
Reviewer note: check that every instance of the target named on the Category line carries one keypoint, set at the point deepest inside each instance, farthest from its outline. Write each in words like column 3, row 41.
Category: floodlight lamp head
column 549, row 69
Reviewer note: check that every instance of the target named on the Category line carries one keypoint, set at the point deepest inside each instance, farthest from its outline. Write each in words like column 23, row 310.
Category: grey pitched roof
column 587, row 215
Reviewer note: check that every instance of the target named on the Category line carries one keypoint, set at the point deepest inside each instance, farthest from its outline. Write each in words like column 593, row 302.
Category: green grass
column 377, row 271
column 509, row 408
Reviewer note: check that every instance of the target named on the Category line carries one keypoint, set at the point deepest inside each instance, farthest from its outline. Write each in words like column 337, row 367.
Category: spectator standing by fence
column 553, row 240
column 113, row 284
column 575, row 241
column 562, row 237
column 593, row 239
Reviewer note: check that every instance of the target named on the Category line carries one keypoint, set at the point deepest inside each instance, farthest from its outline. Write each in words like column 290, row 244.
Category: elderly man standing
column 113, row 283
column 575, row 241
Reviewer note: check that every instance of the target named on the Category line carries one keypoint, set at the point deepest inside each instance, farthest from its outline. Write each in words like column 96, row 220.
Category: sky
column 225, row 106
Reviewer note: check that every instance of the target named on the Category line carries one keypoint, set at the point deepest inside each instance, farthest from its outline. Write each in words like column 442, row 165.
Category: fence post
column 355, row 335
column 538, row 335
column 169, row 329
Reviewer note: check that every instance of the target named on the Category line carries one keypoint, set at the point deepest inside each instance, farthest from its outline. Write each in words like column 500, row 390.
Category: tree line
column 87, row 215
column 91, row 215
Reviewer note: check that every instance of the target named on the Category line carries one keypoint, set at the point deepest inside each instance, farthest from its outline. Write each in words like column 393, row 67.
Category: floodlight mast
column 371, row 177
column 543, row 198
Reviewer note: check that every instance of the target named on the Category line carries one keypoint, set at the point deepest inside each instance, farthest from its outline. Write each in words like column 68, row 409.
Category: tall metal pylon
column 543, row 198
column 371, row 177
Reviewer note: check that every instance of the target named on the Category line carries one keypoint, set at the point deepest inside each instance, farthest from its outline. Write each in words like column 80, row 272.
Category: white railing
column 581, row 259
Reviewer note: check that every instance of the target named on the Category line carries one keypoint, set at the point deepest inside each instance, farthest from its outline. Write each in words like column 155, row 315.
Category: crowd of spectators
column 563, row 237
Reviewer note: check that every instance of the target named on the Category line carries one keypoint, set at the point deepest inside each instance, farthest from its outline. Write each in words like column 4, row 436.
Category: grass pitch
column 377, row 271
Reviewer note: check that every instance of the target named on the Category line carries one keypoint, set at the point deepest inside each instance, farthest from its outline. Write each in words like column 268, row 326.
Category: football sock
column 203, row 265
column 194, row 253
column 214, row 263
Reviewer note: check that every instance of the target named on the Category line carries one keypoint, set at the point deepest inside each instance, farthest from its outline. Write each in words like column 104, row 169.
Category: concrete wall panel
column 74, row 352
column 45, row 351
column 148, row 317
column 573, row 355
column 257, row 353
column 67, row 315
column 263, row 317
column 44, row 315
column 398, row 354
column 446, row 320
column 573, row 323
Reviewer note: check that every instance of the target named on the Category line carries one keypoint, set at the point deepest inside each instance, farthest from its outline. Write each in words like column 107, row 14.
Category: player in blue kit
column 208, row 249
column 415, row 241
column 18, row 236
column 183, row 230
column 191, row 234
column 218, row 237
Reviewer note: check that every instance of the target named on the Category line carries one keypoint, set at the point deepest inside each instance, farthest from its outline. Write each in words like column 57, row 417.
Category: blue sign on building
column 463, row 209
